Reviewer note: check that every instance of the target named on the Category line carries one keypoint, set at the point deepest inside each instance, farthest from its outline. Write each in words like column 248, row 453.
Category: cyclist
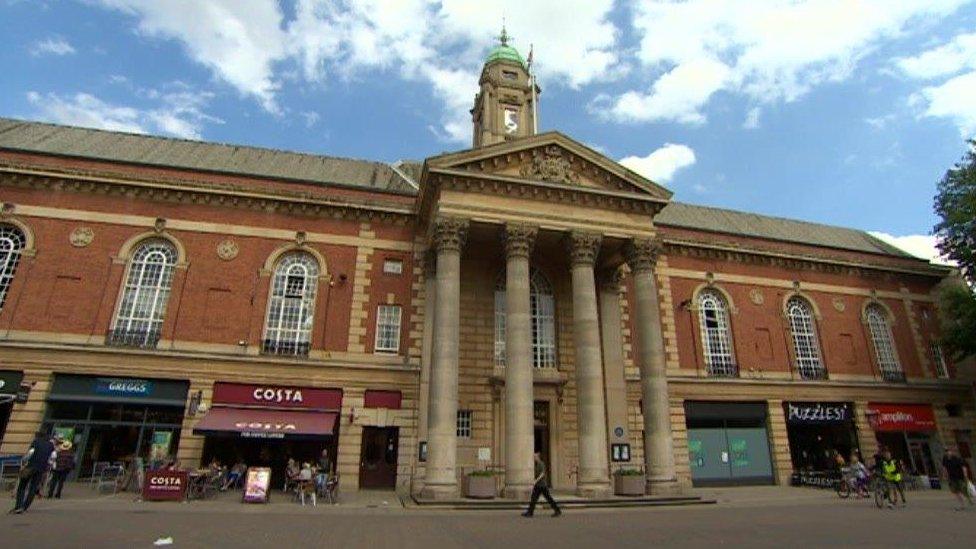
column 859, row 474
column 891, row 469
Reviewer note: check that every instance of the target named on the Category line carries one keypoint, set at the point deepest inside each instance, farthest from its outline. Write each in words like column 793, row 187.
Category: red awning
column 266, row 423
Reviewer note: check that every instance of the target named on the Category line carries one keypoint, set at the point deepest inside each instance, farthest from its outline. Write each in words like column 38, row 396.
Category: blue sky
column 842, row 112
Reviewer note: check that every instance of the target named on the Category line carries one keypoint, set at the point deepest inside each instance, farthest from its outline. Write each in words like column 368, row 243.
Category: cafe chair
column 110, row 477
column 332, row 489
column 306, row 488
column 97, row 469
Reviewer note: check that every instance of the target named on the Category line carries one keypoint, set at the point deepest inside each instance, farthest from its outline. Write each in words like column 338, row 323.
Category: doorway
column 378, row 462
column 540, row 414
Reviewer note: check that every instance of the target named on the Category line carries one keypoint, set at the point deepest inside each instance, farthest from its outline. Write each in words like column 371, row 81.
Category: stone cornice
column 195, row 192
column 688, row 248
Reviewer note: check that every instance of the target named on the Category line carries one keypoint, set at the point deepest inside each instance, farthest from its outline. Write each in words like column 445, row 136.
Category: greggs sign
column 901, row 417
column 277, row 396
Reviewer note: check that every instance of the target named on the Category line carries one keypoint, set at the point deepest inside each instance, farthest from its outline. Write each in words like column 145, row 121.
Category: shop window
column 881, row 338
column 464, row 424
column 291, row 305
column 713, row 319
column 806, row 347
column 393, row 266
column 387, row 329
column 12, row 243
column 939, row 359
column 139, row 319
column 542, row 306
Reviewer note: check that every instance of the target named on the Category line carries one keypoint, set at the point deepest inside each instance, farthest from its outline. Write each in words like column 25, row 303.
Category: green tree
column 956, row 205
column 957, row 318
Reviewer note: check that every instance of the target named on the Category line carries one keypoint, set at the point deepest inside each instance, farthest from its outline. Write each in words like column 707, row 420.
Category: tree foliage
column 957, row 318
column 956, row 205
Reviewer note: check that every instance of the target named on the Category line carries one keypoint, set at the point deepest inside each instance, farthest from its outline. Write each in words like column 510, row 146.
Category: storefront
column 116, row 419
column 728, row 443
column 909, row 431
column 265, row 425
column 9, row 385
column 818, row 432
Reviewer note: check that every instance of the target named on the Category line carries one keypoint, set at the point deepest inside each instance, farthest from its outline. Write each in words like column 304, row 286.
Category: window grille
column 883, row 347
column 941, row 369
column 139, row 320
column 806, row 347
column 291, row 305
column 393, row 266
column 542, row 306
column 12, row 243
column 387, row 329
column 464, row 423
column 716, row 335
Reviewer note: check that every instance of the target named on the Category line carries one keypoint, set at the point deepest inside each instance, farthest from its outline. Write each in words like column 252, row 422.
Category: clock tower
column 505, row 107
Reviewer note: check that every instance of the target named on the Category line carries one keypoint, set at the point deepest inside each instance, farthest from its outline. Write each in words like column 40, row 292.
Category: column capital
column 610, row 280
column 642, row 254
column 583, row 247
column 519, row 239
column 449, row 233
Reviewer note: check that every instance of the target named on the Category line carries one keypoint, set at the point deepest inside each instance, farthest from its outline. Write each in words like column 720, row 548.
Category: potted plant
column 480, row 484
column 629, row 482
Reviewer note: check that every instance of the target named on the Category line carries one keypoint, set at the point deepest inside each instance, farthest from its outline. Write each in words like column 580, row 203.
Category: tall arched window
column 139, row 320
column 806, row 347
column 542, row 306
column 12, row 243
column 884, row 349
column 291, row 305
column 713, row 319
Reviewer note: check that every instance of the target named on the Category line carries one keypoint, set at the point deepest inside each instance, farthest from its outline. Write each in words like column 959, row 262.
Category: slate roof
column 150, row 150
column 704, row 218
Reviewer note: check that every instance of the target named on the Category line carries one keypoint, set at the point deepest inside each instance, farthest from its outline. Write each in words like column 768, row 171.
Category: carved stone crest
column 81, row 237
column 756, row 296
column 550, row 164
column 227, row 250
column 839, row 304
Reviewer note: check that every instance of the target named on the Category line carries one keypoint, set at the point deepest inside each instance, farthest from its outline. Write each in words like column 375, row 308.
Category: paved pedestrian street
column 750, row 517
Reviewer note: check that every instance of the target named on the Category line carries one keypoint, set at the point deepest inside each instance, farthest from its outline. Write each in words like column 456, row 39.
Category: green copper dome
column 504, row 52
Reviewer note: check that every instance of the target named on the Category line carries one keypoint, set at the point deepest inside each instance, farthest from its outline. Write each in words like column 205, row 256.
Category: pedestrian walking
column 541, row 488
column 32, row 468
column 959, row 477
column 64, row 463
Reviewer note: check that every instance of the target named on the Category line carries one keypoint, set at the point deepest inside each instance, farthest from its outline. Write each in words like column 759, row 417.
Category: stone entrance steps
column 566, row 502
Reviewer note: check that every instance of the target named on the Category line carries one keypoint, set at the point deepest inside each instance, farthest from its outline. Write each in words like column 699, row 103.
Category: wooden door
column 378, row 458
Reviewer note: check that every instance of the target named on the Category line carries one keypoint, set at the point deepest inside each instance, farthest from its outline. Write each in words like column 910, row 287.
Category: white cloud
column 952, row 98
column 661, row 164
column 311, row 118
column 879, row 122
column 752, row 119
column 773, row 51
column 179, row 113
column 51, row 46
column 919, row 245
column 944, row 60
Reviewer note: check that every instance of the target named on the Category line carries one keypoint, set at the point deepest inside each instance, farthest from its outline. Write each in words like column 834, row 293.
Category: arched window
column 884, row 348
column 542, row 306
column 12, row 243
column 806, row 347
column 139, row 320
column 713, row 319
column 291, row 305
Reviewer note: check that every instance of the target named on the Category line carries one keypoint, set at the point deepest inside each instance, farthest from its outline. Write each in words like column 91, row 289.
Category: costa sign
column 901, row 417
column 277, row 396
column 164, row 486
column 817, row 412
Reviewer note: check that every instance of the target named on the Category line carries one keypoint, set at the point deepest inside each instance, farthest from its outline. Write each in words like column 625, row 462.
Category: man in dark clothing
column 541, row 488
column 33, row 467
column 957, row 473
column 63, row 464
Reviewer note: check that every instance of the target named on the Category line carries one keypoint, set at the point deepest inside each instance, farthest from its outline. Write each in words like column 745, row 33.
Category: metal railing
column 893, row 376
column 285, row 348
column 140, row 339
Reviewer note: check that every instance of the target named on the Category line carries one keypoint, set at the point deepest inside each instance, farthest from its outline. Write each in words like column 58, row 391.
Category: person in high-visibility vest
column 891, row 469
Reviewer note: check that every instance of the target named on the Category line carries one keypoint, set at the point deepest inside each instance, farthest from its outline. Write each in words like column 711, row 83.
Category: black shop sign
column 819, row 413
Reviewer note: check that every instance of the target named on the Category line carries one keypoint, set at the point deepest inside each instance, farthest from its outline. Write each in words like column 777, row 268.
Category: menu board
column 256, row 484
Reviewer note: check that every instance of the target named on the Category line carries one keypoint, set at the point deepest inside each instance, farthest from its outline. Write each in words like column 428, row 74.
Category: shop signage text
column 164, row 485
column 901, row 417
column 817, row 412
column 274, row 396
column 127, row 387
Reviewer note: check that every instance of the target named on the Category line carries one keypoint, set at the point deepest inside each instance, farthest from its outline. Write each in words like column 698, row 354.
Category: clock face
column 511, row 120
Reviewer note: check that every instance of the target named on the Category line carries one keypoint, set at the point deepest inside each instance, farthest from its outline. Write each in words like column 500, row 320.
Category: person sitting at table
column 324, row 470
column 234, row 476
column 291, row 473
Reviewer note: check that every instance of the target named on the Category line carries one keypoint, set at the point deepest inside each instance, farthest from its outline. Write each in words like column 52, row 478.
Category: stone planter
column 479, row 487
column 629, row 485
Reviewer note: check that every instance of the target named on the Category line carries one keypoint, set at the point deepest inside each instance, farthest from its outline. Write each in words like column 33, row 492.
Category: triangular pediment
column 550, row 158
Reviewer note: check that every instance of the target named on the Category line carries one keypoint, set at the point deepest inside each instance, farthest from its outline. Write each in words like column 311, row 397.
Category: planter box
column 479, row 487
column 629, row 485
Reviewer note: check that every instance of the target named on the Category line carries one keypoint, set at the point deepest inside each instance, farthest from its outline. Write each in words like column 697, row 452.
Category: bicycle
column 882, row 491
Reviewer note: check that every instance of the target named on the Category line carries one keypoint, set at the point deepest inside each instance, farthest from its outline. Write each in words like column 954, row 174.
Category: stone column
column 613, row 357
column 519, row 428
column 440, row 481
column 658, row 448
column 423, row 404
column 594, row 480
